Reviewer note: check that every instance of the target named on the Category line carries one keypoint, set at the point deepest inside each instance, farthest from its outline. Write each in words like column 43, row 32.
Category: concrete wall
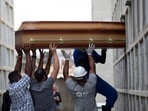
column 131, row 63
column 101, row 10
column 6, row 43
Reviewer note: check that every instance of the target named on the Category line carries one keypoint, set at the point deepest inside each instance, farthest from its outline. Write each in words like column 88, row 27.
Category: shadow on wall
column 66, row 104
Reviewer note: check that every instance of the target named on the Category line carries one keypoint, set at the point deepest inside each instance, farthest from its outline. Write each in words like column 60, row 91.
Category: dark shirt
column 57, row 94
column 6, row 101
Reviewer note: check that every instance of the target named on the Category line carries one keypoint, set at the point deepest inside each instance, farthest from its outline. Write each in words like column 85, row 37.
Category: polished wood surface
column 70, row 34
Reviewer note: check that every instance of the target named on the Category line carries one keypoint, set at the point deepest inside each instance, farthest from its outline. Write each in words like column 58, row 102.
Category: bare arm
column 56, row 61
column 28, row 69
column 33, row 62
column 47, row 67
column 41, row 59
column 18, row 64
column 66, row 64
column 91, row 60
column 66, row 69
column 91, row 64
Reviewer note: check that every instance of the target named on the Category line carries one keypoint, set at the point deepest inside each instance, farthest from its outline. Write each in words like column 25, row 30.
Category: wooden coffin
column 70, row 34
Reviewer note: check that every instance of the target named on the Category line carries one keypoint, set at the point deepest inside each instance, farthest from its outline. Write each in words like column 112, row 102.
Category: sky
column 51, row 10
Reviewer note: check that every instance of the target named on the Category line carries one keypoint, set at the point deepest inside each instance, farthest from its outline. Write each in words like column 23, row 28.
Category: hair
column 40, row 74
column 13, row 76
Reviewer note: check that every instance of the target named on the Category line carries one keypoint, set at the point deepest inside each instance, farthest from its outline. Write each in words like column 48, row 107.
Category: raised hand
column 33, row 52
column 52, row 48
column 42, row 53
column 90, row 48
column 26, row 48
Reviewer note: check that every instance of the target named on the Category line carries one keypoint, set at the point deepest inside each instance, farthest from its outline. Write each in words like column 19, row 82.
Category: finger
column 54, row 45
column 93, row 45
column 89, row 44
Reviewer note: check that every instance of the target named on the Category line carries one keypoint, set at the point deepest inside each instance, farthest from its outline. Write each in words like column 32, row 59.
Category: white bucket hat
column 79, row 72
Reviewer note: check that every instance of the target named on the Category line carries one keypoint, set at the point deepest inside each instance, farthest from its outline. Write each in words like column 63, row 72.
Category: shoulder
column 49, row 81
column 92, row 77
column 25, row 78
column 70, row 83
column 69, row 79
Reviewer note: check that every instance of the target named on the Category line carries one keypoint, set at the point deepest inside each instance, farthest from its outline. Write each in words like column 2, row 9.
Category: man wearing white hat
column 82, row 88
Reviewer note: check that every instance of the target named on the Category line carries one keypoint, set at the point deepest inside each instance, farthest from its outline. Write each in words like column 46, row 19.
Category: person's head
column 80, row 75
column 40, row 75
column 55, row 87
column 14, row 76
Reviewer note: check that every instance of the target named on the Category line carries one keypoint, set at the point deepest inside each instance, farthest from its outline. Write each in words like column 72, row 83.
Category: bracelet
column 33, row 56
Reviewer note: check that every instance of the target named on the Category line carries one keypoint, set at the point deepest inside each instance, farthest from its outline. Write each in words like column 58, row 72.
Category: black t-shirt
column 6, row 101
column 57, row 94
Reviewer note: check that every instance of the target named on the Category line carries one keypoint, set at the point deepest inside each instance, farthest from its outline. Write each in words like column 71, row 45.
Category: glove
column 90, row 48
column 66, row 56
